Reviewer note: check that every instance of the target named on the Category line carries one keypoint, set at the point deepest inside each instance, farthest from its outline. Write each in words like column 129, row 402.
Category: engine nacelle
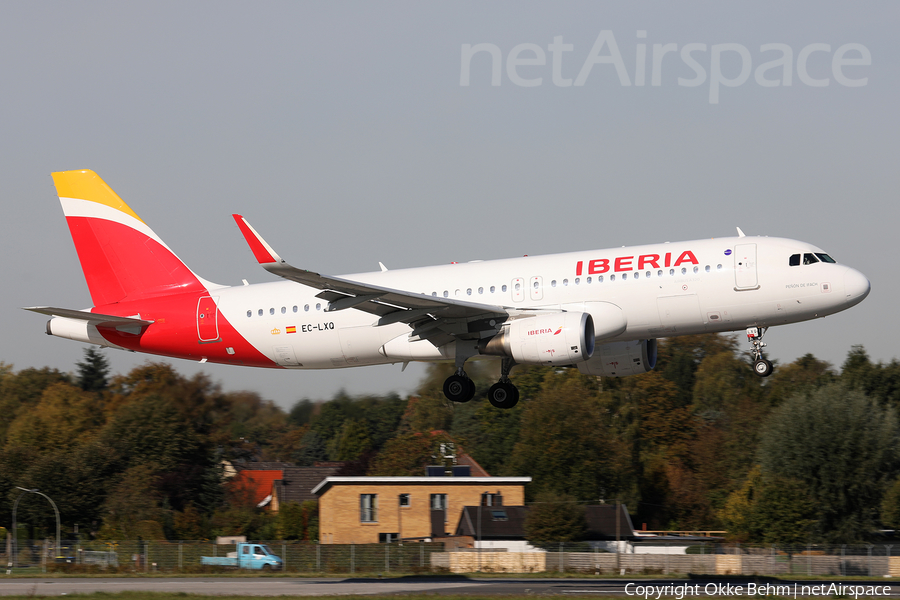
column 620, row 359
column 560, row 338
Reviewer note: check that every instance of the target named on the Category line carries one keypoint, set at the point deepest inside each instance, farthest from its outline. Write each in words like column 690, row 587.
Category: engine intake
column 559, row 338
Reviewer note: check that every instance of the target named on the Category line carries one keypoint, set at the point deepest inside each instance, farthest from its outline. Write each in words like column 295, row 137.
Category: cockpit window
column 809, row 259
column 825, row 258
column 795, row 260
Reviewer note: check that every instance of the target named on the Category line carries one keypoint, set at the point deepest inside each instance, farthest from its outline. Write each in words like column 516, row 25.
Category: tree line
column 808, row 455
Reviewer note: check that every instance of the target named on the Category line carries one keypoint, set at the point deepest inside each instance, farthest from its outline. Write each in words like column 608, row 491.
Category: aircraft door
column 536, row 285
column 285, row 356
column 745, row 267
column 518, row 289
column 207, row 319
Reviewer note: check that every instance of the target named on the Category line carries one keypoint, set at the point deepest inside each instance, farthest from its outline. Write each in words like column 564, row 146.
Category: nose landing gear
column 761, row 366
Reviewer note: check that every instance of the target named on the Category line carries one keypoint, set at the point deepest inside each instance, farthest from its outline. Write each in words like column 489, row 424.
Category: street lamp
column 15, row 529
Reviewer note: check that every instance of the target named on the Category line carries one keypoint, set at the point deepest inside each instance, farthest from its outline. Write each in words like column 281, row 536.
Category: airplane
column 598, row 310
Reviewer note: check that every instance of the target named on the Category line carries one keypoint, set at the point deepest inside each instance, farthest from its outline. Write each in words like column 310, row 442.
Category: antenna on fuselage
column 740, row 233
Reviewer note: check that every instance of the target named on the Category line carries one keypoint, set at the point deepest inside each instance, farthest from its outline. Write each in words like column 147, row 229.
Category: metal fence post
column 843, row 546
column 284, row 557
column 318, row 557
column 560, row 557
column 387, row 558
column 180, row 555
column 352, row 558
column 422, row 555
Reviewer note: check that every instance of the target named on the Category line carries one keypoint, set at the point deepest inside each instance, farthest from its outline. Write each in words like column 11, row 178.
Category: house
column 365, row 510
column 272, row 484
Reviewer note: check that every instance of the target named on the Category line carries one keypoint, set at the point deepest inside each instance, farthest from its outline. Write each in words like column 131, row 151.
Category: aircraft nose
column 856, row 286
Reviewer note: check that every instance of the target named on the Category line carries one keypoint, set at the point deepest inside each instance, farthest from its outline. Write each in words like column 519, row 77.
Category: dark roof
column 297, row 483
column 491, row 524
column 261, row 466
column 601, row 522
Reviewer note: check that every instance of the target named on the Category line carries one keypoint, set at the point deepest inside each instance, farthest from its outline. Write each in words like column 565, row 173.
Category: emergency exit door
column 207, row 320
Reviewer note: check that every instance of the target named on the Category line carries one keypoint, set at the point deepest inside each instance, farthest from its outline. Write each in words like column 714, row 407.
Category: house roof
column 297, row 483
column 330, row 481
column 492, row 522
column 258, row 482
column 600, row 520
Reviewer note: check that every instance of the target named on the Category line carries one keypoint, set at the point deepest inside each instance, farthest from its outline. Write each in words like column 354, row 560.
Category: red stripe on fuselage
column 122, row 263
column 174, row 332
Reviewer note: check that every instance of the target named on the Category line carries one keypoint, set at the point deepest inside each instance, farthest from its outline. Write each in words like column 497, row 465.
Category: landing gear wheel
column 762, row 367
column 503, row 395
column 459, row 388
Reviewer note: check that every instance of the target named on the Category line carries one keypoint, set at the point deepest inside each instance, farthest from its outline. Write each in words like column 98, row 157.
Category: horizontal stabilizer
column 93, row 318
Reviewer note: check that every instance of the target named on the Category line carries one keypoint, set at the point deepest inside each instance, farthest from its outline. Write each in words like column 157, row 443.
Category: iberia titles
column 598, row 266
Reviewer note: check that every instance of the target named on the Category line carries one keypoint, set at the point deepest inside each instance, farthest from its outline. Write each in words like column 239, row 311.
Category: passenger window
column 637, row 275
column 260, row 312
column 481, row 290
column 306, row 307
column 553, row 283
column 809, row 259
column 469, row 292
column 577, row 280
column 659, row 273
column 493, row 289
column 283, row 310
column 707, row 268
column 503, row 288
column 565, row 282
column 671, row 271
column 794, row 261
column 588, row 280
column 612, row 277
column 249, row 313
column 295, row 308
column 271, row 311
column 318, row 306
column 696, row 269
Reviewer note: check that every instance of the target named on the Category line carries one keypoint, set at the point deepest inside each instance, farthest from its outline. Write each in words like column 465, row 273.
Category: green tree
column 93, row 373
column 552, row 520
column 563, row 440
column 843, row 447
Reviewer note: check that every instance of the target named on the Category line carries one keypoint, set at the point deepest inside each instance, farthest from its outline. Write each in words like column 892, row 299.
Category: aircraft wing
column 93, row 318
column 429, row 315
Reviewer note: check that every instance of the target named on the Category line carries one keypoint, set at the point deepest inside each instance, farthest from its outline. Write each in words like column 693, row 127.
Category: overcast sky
column 345, row 133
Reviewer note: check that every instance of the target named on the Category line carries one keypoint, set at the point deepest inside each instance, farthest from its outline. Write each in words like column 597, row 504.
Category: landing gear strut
column 458, row 387
column 504, row 394
column 761, row 366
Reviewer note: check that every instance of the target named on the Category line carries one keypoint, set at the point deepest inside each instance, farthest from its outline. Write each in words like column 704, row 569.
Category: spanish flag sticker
column 291, row 329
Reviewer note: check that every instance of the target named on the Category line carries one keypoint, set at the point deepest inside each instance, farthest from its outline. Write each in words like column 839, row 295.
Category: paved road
column 278, row 586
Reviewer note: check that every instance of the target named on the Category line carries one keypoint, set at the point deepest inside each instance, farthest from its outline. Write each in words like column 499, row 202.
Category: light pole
column 15, row 529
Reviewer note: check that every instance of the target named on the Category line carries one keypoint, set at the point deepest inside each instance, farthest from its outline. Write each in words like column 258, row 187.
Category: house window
column 499, row 515
column 439, row 502
column 368, row 508
column 404, row 499
column 387, row 538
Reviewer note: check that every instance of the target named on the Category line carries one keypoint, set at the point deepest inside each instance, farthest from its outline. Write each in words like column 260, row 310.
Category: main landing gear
column 503, row 394
column 761, row 366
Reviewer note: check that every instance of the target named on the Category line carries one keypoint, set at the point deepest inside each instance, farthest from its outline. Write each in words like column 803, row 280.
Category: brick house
column 367, row 510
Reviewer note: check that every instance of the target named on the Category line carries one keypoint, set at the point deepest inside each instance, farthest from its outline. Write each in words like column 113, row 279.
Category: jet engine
column 559, row 338
column 620, row 359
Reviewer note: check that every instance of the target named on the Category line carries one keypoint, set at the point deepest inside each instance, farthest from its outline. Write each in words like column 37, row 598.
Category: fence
column 415, row 557
column 184, row 557
column 705, row 559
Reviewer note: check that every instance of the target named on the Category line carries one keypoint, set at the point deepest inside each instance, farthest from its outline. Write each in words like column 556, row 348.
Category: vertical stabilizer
column 121, row 257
